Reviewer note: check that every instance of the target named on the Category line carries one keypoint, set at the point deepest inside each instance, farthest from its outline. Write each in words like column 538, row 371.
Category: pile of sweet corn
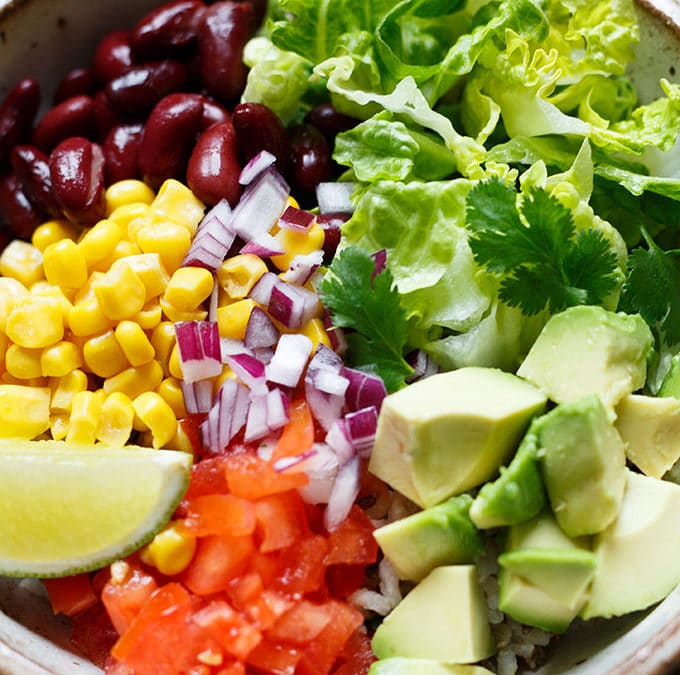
column 87, row 341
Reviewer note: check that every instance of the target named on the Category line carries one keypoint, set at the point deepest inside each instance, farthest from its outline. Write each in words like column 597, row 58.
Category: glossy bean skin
column 224, row 29
column 213, row 113
column 17, row 114
column 169, row 30
column 74, row 116
column 329, row 121
column 18, row 216
column 260, row 128
column 75, row 83
column 113, row 56
column 32, row 169
column 77, row 172
column 121, row 152
column 259, row 9
column 169, row 133
column 141, row 87
column 105, row 117
column 310, row 158
column 214, row 167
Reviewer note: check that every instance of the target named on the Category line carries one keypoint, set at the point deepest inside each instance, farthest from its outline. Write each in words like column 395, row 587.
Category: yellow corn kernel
column 155, row 414
column 115, row 419
column 59, row 426
column 4, row 344
column 65, row 388
column 128, row 191
column 124, row 249
column 60, row 359
column 134, row 343
column 188, row 288
column 171, row 312
column 149, row 316
column 232, row 319
column 65, row 265
column 85, row 411
column 149, row 268
column 316, row 332
column 170, row 391
column 177, row 203
column 11, row 292
column 180, row 441
column 298, row 243
column 170, row 551
column 22, row 363
column 134, row 381
column 55, row 294
column 120, row 292
column 171, row 241
column 163, row 340
column 22, row 261
column 100, row 240
column 24, row 411
column 126, row 213
column 103, row 355
column 87, row 318
column 238, row 274
column 174, row 363
column 35, row 322
column 293, row 202
column 52, row 231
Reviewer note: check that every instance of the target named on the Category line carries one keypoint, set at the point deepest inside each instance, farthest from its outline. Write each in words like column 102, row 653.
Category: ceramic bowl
column 45, row 38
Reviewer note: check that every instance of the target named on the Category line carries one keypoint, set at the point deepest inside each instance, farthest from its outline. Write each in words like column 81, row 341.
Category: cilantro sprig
column 535, row 248
column 368, row 303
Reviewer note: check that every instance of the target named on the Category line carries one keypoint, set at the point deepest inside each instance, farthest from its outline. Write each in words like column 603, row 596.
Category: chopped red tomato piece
column 70, row 595
column 356, row 656
column 353, row 543
column 250, row 477
column 274, row 658
column 301, row 567
column 298, row 435
column 124, row 599
column 281, row 520
column 93, row 634
column 343, row 580
column 301, row 623
column 218, row 514
column 207, row 478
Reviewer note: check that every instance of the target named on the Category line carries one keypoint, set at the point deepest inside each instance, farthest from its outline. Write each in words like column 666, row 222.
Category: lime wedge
column 66, row 509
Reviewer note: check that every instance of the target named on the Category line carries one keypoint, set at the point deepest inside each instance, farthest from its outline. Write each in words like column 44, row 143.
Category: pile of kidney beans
column 158, row 101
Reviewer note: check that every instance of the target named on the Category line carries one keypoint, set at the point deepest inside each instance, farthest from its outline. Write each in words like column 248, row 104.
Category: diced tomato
column 124, row 599
column 301, row 566
column 302, row 623
column 218, row 514
column 265, row 610
column 207, row 478
column 353, row 543
column 281, row 520
column 250, row 477
column 356, row 656
column 297, row 436
column 93, row 634
column 191, row 426
column 274, row 658
column 343, row 580
column 216, row 562
column 115, row 667
column 70, row 595
column 232, row 669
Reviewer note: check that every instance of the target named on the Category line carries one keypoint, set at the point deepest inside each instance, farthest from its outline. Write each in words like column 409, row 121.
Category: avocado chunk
column 401, row 666
column 670, row 386
column 451, row 431
column 583, row 463
column 443, row 618
column 650, row 429
column 588, row 350
column 637, row 556
column 516, row 495
column 439, row 535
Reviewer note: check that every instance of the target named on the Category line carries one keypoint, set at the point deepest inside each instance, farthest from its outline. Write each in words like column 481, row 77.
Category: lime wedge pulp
column 66, row 509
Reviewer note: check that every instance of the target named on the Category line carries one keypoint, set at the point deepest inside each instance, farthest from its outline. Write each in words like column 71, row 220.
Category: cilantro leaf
column 535, row 249
column 650, row 288
column 369, row 304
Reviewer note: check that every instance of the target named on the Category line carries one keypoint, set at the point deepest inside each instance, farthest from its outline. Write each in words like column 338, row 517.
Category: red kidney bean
column 17, row 214
column 121, row 152
column 32, row 169
column 329, row 121
column 72, row 117
column 331, row 224
column 105, row 117
column 310, row 157
column 142, row 86
column 17, row 113
column 77, row 172
column 169, row 133
column 260, row 128
column 75, row 83
column 214, row 168
column 259, row 9
column 213, row 113
column 224, row 29
column 168, row 30
column 113, row 56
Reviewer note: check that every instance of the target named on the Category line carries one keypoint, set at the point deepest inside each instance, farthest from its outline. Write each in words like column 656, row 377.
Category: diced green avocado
column 637, row 556
column 450, row 432
column 439, row 535
column 443, row 618
column 516, row 495
column 401, row 666
column 671, row 382
column 650, row 429
column 583, row 463
column 588, row 350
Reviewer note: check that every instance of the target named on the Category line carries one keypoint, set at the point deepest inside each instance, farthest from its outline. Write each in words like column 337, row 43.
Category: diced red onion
column 335, row 197
column 380, row 260
column 226, row 417
column 365, row 389
column 289, row 360
column 278, row 410
column 361, row 427
column 260, row 330
column 261, row 292
column 261, row 161
column 339, row 441
column 293, row 306
column 325, row 387
column 345, row 491
column 214, row 236
column 231, row 346
column 197, row 396
column 256, row 422
column 199, row 349
column 335, row 334
column 286, row 463
column 295, row 219
column 325, row 359
column 264, row 246
column 249, row 369
column 321, row 468
column 265, row 354
column 423, row 365
column 302, row 267
column 213, row 303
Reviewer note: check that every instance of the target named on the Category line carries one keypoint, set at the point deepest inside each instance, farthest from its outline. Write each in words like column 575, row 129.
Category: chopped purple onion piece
column 259, row 163
column 335, row 197
column 214, row 236
column 302, row 268
column 295, row 219
column 365, row 389
column 249, row 369
column 226, row 417
column 260, row 330
column 199, row 349
column 321, row 468
column 345, row 490
column 289, row 360
column 197, row 396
